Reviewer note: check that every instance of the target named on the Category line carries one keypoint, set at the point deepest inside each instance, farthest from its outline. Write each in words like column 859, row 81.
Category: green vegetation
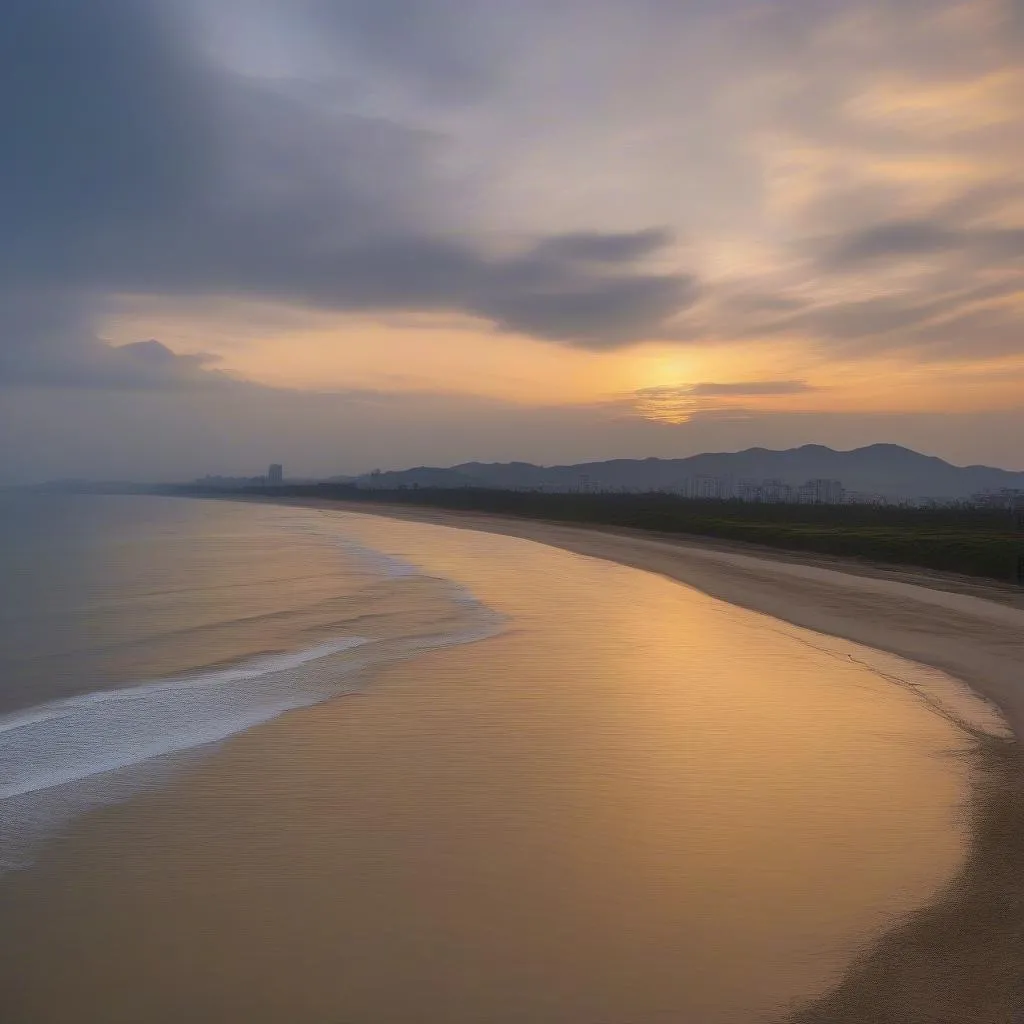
column 971, row 541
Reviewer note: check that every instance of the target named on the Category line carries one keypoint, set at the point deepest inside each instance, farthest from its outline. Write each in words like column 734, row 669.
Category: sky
column 348, row 234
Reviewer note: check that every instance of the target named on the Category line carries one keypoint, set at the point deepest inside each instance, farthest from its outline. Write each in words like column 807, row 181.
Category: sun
column 665, row 367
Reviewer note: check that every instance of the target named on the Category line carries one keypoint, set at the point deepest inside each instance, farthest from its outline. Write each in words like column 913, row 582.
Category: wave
column 377, row 562
column 101, row 731
column 61, row 758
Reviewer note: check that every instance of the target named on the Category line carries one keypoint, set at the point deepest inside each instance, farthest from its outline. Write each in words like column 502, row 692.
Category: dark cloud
column 1014, row 20
column 441, row 46
column 547, row 292
column 1006, row 242
column 606, row 248
column 601, row 313
column 152, row 364
column 104, row 123
column 131, row 165
column 897, row 240
column 893, row 240
column 45, row 342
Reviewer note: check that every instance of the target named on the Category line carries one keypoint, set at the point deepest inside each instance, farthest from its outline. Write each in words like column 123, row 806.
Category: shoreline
column 463, row 789
column 971, row 630
column 961, row 957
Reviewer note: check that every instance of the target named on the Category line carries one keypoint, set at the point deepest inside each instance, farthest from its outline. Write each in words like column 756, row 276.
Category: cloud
column 753, row 387
column 44, row 342
column 818, row 137
column 447, row 49
column 985, row 332
column 679, row 403
column 599, row 247
column 898, row 240
column 870, row 318
column 105, row 125
column 137, row 166
column 893, row 240
column 946, row 285
column 142, row 364
column 992, row 199
column 591, row 312
column 931, row 322
column 551, row 290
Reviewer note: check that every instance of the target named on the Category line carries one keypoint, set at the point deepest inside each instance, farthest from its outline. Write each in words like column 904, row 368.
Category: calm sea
column 134, row 628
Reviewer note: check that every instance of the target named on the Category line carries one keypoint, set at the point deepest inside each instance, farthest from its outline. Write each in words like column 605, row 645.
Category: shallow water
column 136, row 628
column 631, row 803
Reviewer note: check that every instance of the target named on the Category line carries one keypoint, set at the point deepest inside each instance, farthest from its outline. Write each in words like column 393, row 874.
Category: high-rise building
column 706, row 487
column 275, row 475
column 776, row 492
column 826, row 492
column 749, row 490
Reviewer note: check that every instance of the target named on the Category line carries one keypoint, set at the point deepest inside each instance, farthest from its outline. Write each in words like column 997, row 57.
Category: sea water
column 136, row 628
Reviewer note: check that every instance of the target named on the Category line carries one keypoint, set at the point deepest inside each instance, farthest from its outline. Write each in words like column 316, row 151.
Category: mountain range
column 887, row 469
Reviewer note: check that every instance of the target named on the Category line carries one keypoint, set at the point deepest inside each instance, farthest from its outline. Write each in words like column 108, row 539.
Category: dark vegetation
column 972, row 541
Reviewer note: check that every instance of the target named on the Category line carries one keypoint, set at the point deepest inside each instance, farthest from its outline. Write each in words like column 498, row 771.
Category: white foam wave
column 62, row 758
column 375, row 561
column 66, row 740
column 249, row 670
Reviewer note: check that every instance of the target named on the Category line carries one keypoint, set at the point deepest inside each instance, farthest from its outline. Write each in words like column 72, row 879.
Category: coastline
column 969, row 629
column 961, row 957
column 460, row 837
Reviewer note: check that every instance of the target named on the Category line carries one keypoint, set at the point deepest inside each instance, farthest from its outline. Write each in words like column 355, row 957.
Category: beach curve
column 961, row 958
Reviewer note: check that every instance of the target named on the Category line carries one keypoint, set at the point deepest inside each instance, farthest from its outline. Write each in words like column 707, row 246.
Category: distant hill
column 887, row 469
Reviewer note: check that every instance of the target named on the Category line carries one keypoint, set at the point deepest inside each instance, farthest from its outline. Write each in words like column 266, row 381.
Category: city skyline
column 811, row 474
column 386, row 232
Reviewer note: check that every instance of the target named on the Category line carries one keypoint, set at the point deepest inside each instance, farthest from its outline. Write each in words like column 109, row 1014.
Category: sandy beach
column 971, row 628
column 442, row 848
column 962, row 959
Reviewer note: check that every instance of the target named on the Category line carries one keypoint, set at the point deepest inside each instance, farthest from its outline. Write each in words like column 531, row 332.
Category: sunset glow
column 801, row 217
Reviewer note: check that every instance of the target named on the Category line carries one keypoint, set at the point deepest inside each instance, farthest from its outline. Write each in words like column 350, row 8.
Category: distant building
column 776, row 492
column 779, row 492
column 806, row 494
column 1008, row 497
column 275, row 475
column 822, row 492
column 864, row 498
column 707, row 487
column 749, row 490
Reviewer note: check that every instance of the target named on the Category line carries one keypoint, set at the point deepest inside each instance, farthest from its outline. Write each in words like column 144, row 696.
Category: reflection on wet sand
column 636, row 804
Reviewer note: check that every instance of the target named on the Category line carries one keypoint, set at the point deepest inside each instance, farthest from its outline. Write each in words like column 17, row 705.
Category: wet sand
column 972, row 629
column 443, row 848
column 961, row 959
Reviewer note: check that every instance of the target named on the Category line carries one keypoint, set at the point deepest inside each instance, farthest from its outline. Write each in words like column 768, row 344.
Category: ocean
column 273, row 763
column 134, row 629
